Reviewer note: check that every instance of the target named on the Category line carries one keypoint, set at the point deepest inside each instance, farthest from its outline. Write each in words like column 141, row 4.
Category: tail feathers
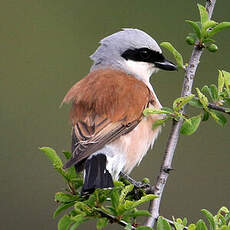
column 96, row 174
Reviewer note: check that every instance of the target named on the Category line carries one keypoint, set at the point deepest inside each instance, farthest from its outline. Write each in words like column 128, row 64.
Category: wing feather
column 106, row 105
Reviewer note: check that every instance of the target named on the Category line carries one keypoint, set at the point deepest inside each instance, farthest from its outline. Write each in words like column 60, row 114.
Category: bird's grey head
column 132, row 51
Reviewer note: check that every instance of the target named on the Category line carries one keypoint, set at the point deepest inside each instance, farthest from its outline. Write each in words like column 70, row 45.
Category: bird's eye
column 144, row 53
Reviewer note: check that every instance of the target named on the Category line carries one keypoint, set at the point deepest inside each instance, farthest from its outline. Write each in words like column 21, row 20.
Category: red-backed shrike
column 110, row 134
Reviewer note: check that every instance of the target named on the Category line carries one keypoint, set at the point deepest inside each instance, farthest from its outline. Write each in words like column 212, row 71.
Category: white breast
column 127, row 151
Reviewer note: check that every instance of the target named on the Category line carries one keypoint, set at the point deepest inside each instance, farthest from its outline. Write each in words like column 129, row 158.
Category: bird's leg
column 137, row 184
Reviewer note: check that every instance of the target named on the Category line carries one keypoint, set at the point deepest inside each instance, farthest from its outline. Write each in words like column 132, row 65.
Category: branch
column 216, row 107
column 113, row 219
column 174, row 134
column 219, row 108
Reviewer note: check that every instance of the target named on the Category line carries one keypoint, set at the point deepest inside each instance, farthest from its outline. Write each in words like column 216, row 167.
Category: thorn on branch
column 167, row 169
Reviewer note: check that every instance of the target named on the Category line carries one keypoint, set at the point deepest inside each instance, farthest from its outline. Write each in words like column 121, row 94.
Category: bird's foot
column 137, row 184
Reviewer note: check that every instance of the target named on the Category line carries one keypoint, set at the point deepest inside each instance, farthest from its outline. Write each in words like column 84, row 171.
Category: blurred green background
column 45, row 45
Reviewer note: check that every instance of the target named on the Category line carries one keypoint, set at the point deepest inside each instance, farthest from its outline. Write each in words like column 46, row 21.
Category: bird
column 110, row 134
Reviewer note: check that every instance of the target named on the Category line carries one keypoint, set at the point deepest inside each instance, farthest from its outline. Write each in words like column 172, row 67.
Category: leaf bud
column 212, row 48
column 190, row 40
column 146, row 180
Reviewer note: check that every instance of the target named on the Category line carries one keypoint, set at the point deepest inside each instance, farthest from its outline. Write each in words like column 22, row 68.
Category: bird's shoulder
column 106, row 105
column 108, row 93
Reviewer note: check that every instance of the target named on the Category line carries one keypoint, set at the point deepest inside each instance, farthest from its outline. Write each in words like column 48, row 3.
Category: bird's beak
column 165, row 65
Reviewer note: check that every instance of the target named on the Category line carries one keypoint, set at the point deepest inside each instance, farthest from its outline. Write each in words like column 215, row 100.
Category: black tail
column 96, row 174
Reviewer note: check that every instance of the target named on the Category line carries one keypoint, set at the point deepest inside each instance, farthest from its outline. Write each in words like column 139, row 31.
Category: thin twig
column 172, row 223
column 216, row 107
column 174, row 134
column 113, row 219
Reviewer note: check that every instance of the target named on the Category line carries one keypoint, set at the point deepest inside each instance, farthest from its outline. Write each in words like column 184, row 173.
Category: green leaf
column 227, row 101
column 196, row 103
column 210, row 218
column 115, row 199
column 218, row 28
column 78, row 219
column 159, row 122
column 176, row 54
column 190, row 125
column 82, row 207
column 220, row 218
column 64, row 223
column 203, row 99
column 163, row 224
column 64, row 197
column 214, row 92
column 206, row 40
column 200, row 225
column 144, row 199
column 226, row 76
column 149, row 111
column 72, row 176
column 128, row 204
column 185, row 221
column 203, row 14
column 101, row 223
column 167, row 109
column 205, row 89
column 67, row 155
column 92, row 200
column 52, row 155
column 209, row 24
column 181, row 101
column 178, row 225
column 220, row 82
column 75, row 225
column 223, row 211
column 195, row 27
column 227, row 81
column 143, row 228
column 218, row 117
column 55, row 159
column 71, row 172
column 118, row 184
column 205, row 116
column 61, row 208
column 124, row 192
column 192, row 227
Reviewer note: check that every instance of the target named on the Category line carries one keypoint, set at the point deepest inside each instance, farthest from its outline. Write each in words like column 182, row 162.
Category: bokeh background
column 44, row 49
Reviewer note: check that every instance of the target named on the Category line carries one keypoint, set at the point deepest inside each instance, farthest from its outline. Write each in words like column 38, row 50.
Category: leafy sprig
column 219, row 95
column 204, row 30
column 221, row 221
column 117, row 205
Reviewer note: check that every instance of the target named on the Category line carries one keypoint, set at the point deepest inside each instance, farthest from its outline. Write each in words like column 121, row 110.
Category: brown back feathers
column 107, row 103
